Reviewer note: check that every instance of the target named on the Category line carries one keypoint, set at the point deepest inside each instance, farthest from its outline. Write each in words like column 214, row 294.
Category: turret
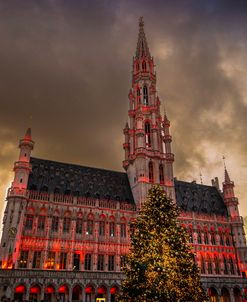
column 229, row 196
column 22, row 167
column 148, row 158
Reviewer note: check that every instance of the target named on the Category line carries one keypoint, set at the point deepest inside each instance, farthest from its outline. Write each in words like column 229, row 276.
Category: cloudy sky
column 67, row 65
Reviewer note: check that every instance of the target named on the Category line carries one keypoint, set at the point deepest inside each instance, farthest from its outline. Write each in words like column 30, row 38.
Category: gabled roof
column 51, row 176
column 193, row 197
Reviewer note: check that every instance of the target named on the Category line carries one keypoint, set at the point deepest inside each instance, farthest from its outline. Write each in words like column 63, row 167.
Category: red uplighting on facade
column 102, row 290
column 49, row 290
column 35, row 289
column 20, row 289
column 63, row 289
column 89, row 290
column 113, row 290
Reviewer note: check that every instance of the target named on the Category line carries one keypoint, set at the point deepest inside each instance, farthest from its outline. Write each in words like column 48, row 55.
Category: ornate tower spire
column 148, row 155
column 142, row 49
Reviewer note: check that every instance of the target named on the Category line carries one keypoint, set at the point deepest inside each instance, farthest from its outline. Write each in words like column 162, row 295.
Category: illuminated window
column 50, row 264
column 23, row 259
column 41, row 223
column 102, row 228
column 123, row 230
column 88, row 262
column 147, row 134
column 111, row 263
column 36, row 259
column 145, row 95
column 150, row 172
column 66, row 224
column 79, row 223
column 29, row 222
column 89, row 227
column 76, row 262
column 161, row 173
column 63, row 260
column 101, row 262
column 54, row 223
column 112, row 229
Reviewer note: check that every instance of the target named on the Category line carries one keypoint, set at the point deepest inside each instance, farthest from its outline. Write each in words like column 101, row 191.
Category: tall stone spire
column 142, row 50
column 147, row 145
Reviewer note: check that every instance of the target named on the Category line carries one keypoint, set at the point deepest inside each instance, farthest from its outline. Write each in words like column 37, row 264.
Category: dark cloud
column 68, row 65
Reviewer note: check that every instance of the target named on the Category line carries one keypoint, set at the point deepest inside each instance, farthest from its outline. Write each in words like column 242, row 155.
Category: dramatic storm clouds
column 67, row 64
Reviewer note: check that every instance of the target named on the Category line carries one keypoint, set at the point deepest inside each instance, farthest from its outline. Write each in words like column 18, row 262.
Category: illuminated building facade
column 66, row 227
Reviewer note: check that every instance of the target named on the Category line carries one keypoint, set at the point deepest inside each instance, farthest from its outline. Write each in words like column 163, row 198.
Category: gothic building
column 66, row 227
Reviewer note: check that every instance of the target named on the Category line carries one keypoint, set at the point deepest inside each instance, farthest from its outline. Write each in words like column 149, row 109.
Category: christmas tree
column 160, row 265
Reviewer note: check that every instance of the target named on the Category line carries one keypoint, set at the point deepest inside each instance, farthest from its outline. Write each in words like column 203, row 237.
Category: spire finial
column 141, row 22
column 201, row 177
column 224, row 161
column 227, row 177
column 142, row 50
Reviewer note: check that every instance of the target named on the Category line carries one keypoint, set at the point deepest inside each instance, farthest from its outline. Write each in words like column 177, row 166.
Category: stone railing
column 70, row 199
column 57, row 274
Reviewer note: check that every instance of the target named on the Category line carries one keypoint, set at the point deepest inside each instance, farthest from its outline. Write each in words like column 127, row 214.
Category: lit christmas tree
column 160, row 265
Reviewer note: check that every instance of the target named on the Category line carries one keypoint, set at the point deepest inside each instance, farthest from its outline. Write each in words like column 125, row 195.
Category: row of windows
column 79, row 226
column 145, row 95
column 104, row 262
column 151, row 172
column 204, row 238
column 213, row 265
column 143, row 66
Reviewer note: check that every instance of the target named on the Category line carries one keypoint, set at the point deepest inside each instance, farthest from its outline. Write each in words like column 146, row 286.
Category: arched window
column 145, row 95
column 227, row 241
column 202, row 265
column 206, row 237
column 210, row 270
column 190, row 231
column 161, row 172
column 199, row 237
column 138, row 94
column 137, row 66
column 147, row 134
column 212, row 238
column 217, row 265
column 231, row 265
column 150, row 172
column 144, row 66
column 221, row 239
column 225, row 265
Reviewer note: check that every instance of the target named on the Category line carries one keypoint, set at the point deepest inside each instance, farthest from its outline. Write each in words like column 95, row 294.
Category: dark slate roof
column 55, row 177
column 199, row 198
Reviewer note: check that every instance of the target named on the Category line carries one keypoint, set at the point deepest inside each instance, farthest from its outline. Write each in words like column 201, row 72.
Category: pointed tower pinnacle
column 28, row 135
column 142, row 49
column 227, row 179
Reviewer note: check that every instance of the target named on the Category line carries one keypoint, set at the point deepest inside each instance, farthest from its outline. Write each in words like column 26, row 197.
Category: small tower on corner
column 148, row 156
column 229, row 196
column 22, row 167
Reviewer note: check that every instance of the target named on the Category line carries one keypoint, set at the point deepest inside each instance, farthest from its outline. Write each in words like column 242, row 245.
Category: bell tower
column 148, row 155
